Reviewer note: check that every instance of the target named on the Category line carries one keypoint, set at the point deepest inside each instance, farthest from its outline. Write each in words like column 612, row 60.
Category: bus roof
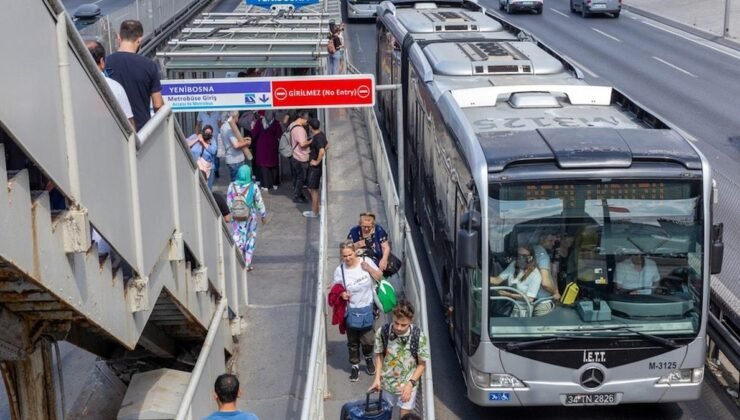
column 445, row 20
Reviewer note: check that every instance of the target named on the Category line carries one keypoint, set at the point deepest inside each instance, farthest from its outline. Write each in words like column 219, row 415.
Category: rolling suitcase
column 366, row 410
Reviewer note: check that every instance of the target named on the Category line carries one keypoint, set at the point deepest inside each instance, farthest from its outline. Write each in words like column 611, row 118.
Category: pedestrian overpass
column 173, row 269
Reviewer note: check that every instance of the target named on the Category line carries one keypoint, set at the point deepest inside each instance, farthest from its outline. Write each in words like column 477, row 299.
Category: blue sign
column 269, row 3
column 499, row 396
column 214, row 94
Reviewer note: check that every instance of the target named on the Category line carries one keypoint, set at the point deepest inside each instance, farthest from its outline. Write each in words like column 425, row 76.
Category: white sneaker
column 274, row 187
column 309, row 214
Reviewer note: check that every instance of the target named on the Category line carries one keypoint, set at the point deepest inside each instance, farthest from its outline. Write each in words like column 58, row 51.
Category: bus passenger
column 549, row 287
column 522, row 274
column 636, row 275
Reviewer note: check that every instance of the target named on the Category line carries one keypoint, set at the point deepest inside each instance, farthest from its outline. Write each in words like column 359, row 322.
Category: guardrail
column 203, row 358
column 413, row 283
column 313, row 394
column 723, row 334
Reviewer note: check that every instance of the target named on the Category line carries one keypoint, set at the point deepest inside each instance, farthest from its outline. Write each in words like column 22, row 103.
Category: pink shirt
column 296, row 136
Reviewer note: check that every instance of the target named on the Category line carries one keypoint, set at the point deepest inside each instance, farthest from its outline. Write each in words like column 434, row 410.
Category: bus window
column 637, row 246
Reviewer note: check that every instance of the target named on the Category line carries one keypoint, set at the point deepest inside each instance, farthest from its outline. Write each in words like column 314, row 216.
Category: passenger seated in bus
column 549, row 289
column 636, row 275
column 560, row 260
column 522, row 274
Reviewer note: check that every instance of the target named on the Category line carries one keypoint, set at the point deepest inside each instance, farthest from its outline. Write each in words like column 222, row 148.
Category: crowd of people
column 251, row 144
column 395, row 354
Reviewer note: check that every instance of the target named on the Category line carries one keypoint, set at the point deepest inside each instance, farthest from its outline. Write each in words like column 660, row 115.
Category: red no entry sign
column 324, row 91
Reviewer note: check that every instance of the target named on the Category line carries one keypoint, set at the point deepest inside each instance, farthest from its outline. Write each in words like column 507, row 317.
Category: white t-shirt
column 121, row 97
column 627, row 276
column 358, row 283
column 529, row 286
column 233, row 155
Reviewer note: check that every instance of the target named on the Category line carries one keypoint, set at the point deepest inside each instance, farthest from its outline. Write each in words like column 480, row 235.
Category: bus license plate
column 591, row 399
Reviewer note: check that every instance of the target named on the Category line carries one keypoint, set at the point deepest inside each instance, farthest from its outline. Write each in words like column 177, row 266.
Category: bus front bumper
column 568, row 393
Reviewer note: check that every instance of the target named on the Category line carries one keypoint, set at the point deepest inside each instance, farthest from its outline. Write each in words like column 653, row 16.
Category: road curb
column 684, row 27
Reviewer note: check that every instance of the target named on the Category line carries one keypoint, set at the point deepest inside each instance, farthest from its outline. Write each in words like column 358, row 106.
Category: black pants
column 300, row 171
column 360, row 338
column 269, row 176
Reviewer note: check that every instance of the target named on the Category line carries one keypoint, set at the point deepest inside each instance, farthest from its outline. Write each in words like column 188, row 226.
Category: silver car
column 589, row 7
column 511, row 6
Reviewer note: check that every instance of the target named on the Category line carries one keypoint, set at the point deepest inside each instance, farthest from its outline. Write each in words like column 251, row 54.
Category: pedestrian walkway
column 706, row 16
column 353, row 189
column 274, row 348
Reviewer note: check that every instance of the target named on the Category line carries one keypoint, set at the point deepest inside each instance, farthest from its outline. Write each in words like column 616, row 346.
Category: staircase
column 172, row 257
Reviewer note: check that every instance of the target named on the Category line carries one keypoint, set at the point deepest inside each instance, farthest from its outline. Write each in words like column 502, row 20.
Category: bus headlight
column 683, row 376
column 495, row 380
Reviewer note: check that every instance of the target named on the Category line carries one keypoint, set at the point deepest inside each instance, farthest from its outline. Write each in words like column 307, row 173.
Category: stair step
column 12, row 174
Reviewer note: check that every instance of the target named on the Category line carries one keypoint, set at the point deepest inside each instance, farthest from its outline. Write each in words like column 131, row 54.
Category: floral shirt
column 398, row 363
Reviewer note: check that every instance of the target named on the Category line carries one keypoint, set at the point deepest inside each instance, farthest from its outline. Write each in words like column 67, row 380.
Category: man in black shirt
column 138, row 75
column 315, row 156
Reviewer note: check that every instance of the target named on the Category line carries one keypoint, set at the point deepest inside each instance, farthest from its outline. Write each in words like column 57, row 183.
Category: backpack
column 240, row 208
column 415, row 333
column 330, row 47
column 284, row 145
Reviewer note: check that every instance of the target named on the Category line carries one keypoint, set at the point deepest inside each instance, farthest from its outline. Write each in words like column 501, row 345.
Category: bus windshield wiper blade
column 668, row 342
column 526, row 344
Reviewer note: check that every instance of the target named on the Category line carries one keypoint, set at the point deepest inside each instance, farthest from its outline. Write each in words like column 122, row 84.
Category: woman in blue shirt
column 203, row 146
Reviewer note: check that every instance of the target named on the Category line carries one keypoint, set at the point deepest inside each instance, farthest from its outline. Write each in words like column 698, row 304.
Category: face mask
column 207, row 136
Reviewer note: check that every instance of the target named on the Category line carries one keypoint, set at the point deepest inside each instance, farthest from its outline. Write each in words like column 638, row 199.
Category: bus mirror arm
column 717, row 249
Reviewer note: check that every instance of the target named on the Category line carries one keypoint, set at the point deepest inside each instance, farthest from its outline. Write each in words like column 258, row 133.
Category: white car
column 511, row 6
column 590, row 7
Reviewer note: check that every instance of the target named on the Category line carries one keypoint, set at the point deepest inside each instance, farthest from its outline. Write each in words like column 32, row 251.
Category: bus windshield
column 587, row 256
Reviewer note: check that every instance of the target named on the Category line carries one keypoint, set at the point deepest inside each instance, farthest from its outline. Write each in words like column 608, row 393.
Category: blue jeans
column 334, row 63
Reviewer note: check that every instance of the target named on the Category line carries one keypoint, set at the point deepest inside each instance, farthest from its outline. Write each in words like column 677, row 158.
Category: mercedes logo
column 592, row 378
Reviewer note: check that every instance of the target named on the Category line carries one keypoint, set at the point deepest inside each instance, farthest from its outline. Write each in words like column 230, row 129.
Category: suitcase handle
column 379, row 403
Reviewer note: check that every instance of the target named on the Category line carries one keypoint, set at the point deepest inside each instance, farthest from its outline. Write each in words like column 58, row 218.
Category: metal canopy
column 251, row 38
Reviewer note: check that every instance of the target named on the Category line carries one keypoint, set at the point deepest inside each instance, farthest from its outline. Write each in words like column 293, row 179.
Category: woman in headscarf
column 244, row 231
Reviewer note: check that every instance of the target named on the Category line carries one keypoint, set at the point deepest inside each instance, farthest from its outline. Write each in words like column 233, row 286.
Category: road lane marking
column 701, row 42
column 606, row 35
column 560, row 13
column 676, row 67
column 581, row 66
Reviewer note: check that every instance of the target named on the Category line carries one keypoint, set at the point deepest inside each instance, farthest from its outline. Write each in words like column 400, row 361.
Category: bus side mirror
column 717, row 249
column 468, row 240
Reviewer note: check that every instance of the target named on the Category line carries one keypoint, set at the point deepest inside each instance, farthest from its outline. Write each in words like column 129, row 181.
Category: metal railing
column 203, row 358
column 154, row 15
column 141, row 191
column 413, row 282
column 316, row 389
column 723, row 332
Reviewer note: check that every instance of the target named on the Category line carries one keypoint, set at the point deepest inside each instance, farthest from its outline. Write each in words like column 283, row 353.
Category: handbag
column 203, row 165
column 501, row 307
column 394, row 265
column 358, row 318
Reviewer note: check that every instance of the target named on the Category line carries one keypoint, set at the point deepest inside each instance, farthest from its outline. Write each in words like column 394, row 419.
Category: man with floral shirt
column 401, row 352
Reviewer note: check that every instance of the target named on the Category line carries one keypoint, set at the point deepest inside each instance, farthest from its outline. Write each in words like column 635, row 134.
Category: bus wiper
column 667, row 342
column 532, row 343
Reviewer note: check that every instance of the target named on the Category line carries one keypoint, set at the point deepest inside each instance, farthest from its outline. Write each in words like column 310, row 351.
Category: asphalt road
column 706, row 105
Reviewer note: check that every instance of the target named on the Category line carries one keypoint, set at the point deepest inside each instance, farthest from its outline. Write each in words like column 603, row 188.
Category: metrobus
column 508, row 152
